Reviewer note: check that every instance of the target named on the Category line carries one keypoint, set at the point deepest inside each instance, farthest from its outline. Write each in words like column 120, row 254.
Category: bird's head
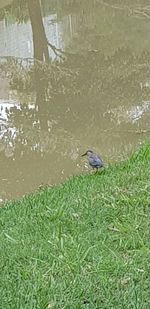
column 87, row 153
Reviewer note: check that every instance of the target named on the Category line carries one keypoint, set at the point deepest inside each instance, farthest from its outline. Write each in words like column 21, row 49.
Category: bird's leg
column 96, row 170
column 92, row 171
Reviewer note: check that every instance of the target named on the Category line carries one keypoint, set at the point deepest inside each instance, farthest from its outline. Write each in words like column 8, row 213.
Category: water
column 97, row 98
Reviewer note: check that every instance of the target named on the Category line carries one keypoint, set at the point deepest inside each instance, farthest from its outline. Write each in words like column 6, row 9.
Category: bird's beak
column 84, row 154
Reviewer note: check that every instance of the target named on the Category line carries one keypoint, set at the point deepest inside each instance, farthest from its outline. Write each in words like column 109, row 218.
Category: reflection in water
column 54, row 110
column 55, row 31
column 133, row 114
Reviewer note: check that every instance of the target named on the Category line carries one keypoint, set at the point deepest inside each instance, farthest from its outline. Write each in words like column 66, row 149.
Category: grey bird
column 94, row 160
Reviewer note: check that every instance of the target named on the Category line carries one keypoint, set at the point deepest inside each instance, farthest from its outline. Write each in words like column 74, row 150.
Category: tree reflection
column 84, row 83
column 39, row 38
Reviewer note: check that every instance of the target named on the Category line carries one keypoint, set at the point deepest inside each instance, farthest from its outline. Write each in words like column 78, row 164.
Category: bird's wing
column 101, row 160
column 95, row 161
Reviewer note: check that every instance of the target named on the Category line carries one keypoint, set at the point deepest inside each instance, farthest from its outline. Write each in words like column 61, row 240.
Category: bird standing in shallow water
column 94, row 160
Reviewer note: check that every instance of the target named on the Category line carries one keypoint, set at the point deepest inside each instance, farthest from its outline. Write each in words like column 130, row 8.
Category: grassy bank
column 83, row 244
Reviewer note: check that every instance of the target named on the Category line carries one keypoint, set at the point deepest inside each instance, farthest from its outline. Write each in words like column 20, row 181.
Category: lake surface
column 94, row 93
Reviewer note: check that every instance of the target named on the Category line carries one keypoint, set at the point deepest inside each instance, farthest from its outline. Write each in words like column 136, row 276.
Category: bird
column 94, row 160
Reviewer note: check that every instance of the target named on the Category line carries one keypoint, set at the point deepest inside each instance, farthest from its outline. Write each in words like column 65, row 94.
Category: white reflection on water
column 136, row 112
column 133, row 114
column 5, row 125
column 23, row 46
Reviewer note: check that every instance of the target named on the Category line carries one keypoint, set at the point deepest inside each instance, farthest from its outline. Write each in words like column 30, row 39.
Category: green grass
column 83, row 244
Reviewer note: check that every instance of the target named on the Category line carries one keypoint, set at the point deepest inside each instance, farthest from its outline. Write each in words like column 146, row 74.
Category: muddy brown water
column 108, row 110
